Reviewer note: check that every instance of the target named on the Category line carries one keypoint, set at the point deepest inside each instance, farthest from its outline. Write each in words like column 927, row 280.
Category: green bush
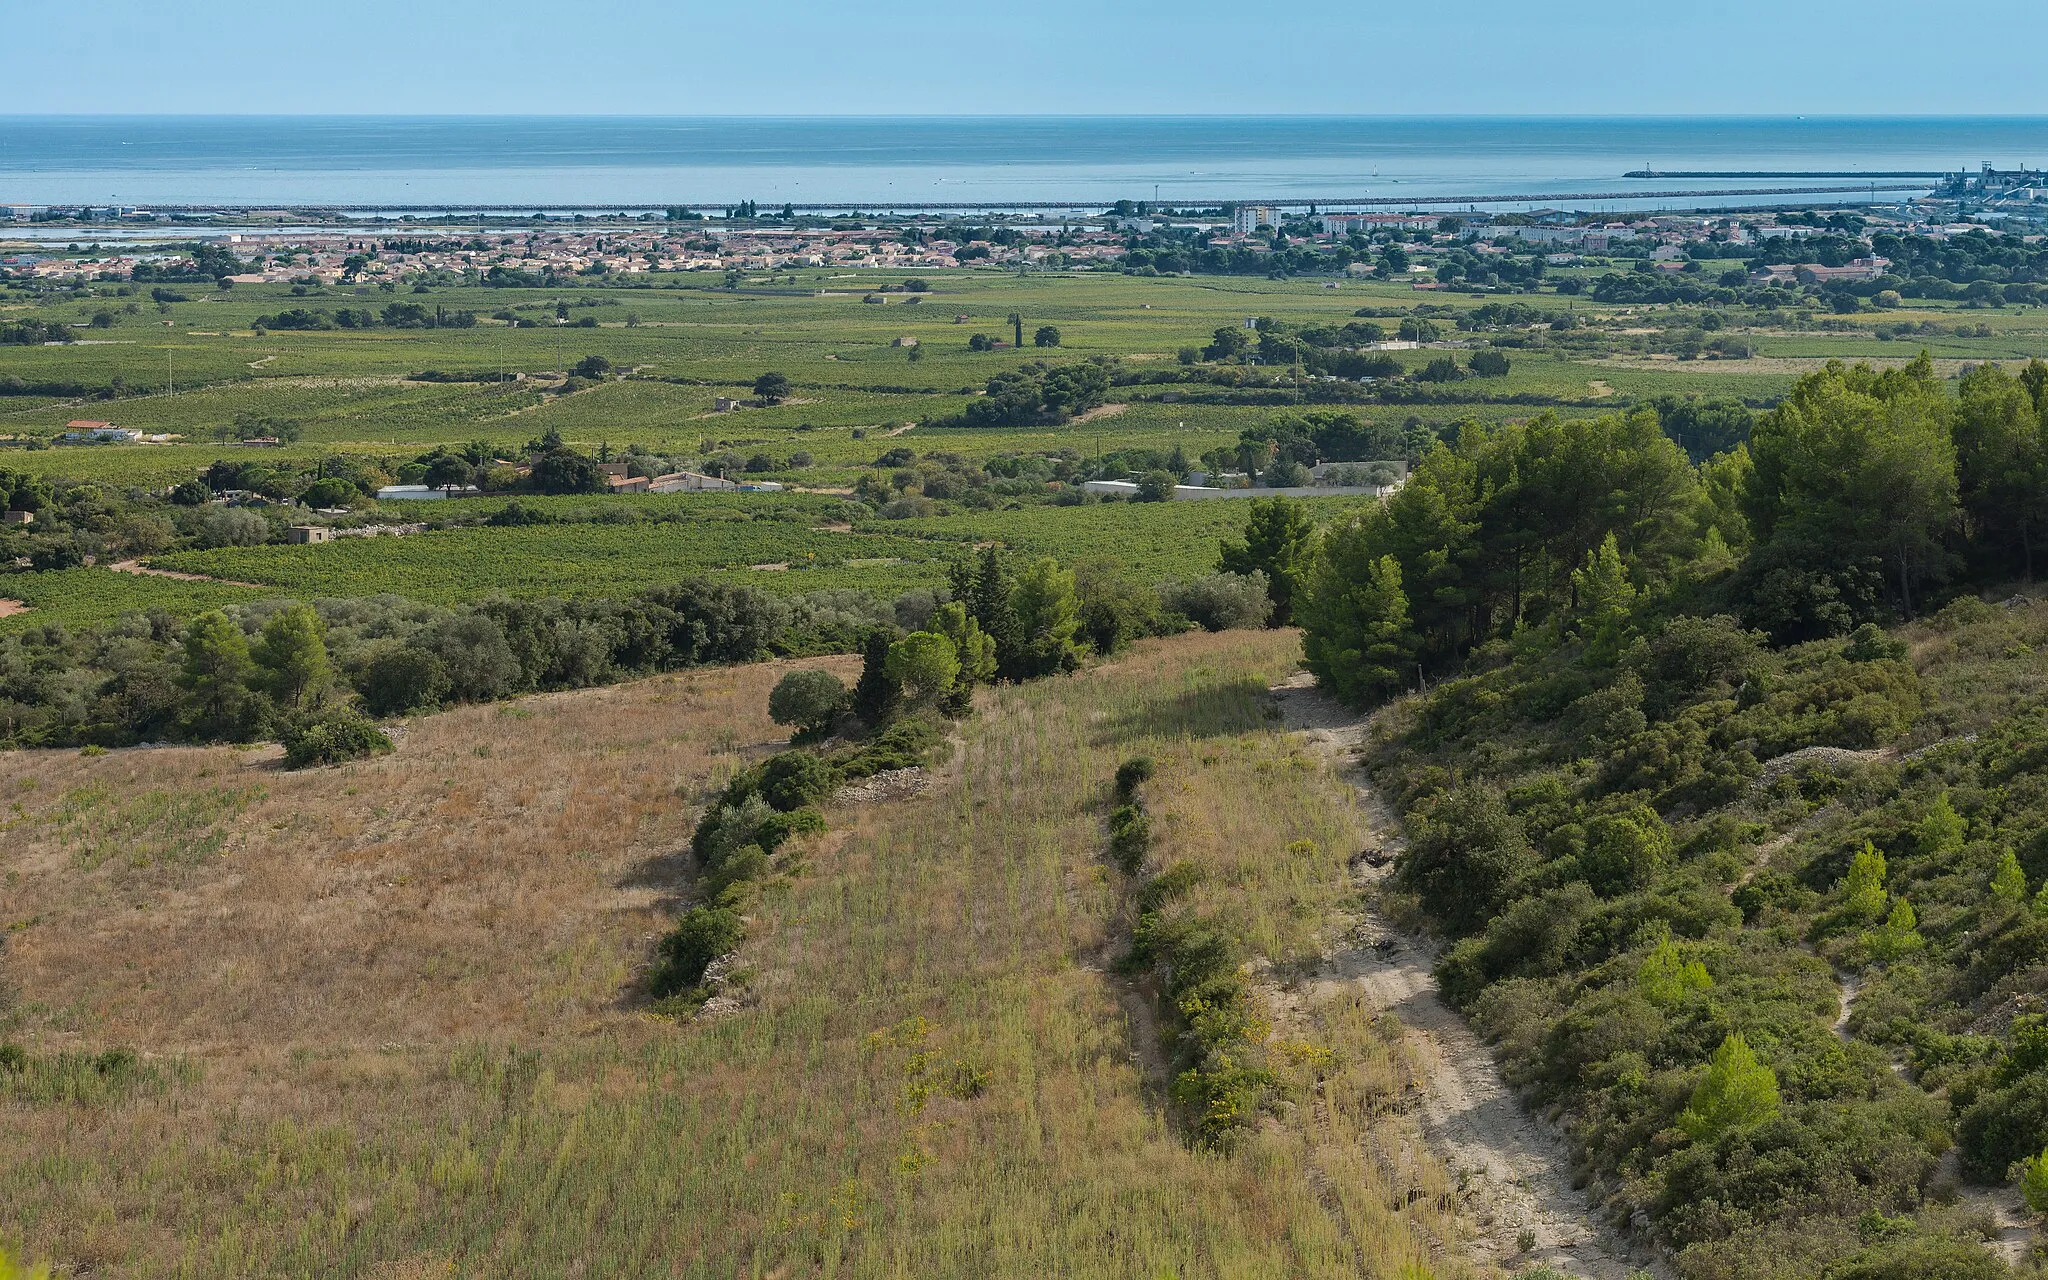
column 1132, row 774
column 1924, row 1258
column 748, row 862
column 794, row 779
column 702, row 935
column 333, row 739
column 905, row 744
column 1172, row 884
column 400, row 680
column 1130, row 835
column 807, row 700
column 778, row 829
column 2004, row 1127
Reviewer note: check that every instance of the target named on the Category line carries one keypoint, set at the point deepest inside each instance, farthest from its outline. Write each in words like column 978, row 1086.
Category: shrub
column 1467, row 850
column 1624, row 851
column 733, row 822
column 401, row 680
column 794, row 779
column 1923, row 1258
column 1130, row 834
column 1132, row 774
column 797, row 822
column 1222, row 601
column 807, row 700
column 702, row 935
column 1170, row 885
column 333, row 739
column 2004, row 1126
column 748, row 862
column 905, row 744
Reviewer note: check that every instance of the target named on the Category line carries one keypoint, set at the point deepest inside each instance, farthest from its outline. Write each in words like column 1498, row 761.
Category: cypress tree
column 877, row 698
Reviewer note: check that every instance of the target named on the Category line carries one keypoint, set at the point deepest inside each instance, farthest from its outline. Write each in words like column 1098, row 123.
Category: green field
column 681, row 341
column 450, row 566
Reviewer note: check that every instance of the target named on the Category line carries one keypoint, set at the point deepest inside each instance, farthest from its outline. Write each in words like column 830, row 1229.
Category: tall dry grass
column 405, row 989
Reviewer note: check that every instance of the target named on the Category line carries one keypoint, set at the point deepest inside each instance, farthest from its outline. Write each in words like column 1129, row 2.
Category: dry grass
column 406, row 989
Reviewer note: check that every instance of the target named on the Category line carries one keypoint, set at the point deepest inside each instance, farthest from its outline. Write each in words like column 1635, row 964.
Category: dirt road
column 1513, row 1167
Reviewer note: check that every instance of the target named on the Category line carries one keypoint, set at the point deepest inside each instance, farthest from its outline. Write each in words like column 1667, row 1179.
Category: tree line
column 1865, row 495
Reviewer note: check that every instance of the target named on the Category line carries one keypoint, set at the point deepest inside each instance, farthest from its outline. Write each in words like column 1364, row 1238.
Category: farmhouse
column 686, row 481
column 88, row 431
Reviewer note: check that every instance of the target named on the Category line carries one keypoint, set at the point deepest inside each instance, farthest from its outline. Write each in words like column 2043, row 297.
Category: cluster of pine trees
column 1864, row 496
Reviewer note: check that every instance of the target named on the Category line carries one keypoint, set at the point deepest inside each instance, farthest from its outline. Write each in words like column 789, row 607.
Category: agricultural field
column 455, row 565
column 676, row 343
column 386, row 1019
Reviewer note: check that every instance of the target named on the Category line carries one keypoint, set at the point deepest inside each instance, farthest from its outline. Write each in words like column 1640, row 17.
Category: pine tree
column 1738, row 1091
column 1605, row 597
column 989, row 602
column 976, row 650
column 1047, row 615
column 1665, row 976
column 1898, row 936
column 1942, row 831
column 2034, row 1183
column 1356, row 636
column 216, row 661
column 293, row 654
column 2009, row 882
column 1863, row 893
column 1279, row 540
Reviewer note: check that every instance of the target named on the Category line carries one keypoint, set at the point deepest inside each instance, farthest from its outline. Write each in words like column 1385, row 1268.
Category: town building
column 1250, row 217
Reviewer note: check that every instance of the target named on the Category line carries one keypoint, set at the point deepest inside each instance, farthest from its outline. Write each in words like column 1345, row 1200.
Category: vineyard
column 88, row 597
column 862, row 411
column 456, row 565
column 1153, row 541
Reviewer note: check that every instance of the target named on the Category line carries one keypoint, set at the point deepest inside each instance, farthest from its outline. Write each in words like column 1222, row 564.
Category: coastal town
column 536, row 251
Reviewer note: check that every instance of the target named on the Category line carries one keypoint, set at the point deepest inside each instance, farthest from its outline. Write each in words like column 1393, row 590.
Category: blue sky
column 812, row 57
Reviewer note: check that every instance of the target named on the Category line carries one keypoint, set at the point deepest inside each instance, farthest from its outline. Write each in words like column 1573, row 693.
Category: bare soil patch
column 1101, row 411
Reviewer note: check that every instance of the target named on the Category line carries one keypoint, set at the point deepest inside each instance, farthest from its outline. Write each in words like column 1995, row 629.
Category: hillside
column 1832, row 853
column 385, row 1019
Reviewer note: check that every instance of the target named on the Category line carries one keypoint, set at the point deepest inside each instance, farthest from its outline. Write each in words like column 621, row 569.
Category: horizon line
column 1009, row 116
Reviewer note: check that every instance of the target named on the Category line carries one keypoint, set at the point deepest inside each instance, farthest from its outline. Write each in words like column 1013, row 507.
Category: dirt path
column 137, row 567
column 1513, row 1168
column 8, row 608
column 2000, row 1211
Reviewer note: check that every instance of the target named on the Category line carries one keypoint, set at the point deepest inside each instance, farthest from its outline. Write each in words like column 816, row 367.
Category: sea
column 371, row 163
